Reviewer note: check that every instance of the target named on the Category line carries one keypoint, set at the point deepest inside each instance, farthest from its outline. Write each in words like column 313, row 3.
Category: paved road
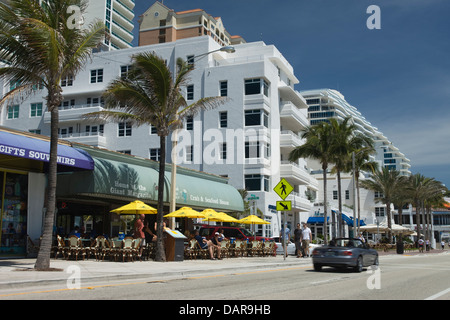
column 398, row 277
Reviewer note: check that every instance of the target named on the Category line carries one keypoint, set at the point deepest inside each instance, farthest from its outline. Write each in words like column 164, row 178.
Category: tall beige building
column 159, row 24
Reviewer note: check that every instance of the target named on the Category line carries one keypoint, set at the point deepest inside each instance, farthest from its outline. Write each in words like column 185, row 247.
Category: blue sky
column 398, row 76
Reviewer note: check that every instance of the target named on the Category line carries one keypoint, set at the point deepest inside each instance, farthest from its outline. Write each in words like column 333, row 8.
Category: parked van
column 229, row 232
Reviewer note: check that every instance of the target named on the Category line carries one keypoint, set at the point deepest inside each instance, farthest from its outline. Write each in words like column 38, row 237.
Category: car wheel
column 317, row 267
column 375, row 263
column 359, row 264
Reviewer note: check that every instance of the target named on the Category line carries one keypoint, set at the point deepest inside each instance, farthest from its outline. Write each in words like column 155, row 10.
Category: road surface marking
column 437, row 295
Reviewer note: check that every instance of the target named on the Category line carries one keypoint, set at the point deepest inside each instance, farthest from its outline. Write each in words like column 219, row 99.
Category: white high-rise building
column 118, row 16
column 247, row 139
column 328, row 103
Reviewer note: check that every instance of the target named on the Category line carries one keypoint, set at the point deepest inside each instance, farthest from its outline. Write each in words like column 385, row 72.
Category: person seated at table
column 215, row 244
column 75, row 232
column 222, row 235
column 204, row 244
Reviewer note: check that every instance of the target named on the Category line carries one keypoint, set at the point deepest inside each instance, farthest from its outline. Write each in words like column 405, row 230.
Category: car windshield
column 352, row 243
column 246, row 232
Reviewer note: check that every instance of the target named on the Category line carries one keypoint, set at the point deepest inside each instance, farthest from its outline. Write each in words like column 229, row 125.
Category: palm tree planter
column 151, row 95
column 40, row 47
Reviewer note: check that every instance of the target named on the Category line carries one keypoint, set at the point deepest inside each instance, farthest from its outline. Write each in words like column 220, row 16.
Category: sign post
column 283, row 189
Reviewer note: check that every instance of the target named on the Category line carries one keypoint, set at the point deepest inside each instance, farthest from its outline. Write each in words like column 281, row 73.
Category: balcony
column 298, row 175
column 72, row 113
column 293, row 118
column 299, row 202
column 290, row 140
column 95, row 139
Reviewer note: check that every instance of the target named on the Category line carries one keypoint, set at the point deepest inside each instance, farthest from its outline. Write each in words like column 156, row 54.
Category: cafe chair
column 75, row 248
column 225, row 248
column 127, row 249
column 190, row 251
column 60, row 247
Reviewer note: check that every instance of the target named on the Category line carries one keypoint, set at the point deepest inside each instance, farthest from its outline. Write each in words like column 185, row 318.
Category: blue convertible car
column 344, row 252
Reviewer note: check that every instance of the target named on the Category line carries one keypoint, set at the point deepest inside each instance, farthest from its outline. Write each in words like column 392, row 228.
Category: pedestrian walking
column 306, row 239
column 443, row 244
column 298, row 241
column 285, row 238
column 420, row 242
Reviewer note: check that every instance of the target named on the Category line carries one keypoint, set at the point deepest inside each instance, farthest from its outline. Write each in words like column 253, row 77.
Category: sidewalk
column 16, row 273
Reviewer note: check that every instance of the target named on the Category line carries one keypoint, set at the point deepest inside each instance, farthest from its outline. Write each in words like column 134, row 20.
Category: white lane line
column 437, row 295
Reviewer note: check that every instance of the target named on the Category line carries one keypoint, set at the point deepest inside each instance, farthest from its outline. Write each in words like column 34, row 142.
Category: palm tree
column 346, row 141
column 416, row 189
column 362, row 163
column 385, row 181
column 434, row 196
column 40, row 48
column 150, row 95
column 318, row 145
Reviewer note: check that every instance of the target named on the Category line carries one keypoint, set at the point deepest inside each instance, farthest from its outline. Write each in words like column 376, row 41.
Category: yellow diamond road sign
column 284, row 205
column 283, row 189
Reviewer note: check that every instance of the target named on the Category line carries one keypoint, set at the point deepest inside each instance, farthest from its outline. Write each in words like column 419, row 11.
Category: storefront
column 23, row 164
column 87, row 197
column 91, row 182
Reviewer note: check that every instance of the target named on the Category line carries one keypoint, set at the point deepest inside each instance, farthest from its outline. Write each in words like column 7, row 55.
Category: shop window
column 14, row 189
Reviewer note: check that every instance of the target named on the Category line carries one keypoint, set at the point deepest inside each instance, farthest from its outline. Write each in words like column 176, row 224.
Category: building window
column 189, row 153
column 223, row 117
column 190, row 123
column 256, row 86
column 36, row 109
column 155, row 154
column 124, row 129
column 13, row 112
column 153, row 130
column 190, row 60
column 67, row 81
column 379, row 211
column 97, row 76
column 257, row 182
column 347, row 194
column 124, row 70
column 256, row 118
column 223, row 88
column 335, row 195
column 252, row 150
column 223, row 151
column 190, row 92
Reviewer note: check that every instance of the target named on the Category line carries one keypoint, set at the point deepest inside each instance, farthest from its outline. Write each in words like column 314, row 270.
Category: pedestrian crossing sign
column 283, row 189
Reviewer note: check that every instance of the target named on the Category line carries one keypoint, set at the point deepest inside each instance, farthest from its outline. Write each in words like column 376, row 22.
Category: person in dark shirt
column 298, row 241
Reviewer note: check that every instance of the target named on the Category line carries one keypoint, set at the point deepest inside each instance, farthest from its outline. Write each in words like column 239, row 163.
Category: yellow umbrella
column 185, row 212
column 252, row 219
column 135, row 207
column 212, row 215
column 227, row 218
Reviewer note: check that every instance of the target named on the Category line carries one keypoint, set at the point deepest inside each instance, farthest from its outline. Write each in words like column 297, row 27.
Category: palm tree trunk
column 389, row 221
column 358, row 223
column 325, row 206
column 418, row 219
column 43, row 258
column 160, row 252
column 340, row 225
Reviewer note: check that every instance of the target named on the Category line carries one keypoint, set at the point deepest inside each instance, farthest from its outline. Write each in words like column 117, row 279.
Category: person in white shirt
column 306, row 238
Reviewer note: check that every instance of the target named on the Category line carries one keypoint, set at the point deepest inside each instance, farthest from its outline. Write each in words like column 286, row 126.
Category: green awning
column 129, row 178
